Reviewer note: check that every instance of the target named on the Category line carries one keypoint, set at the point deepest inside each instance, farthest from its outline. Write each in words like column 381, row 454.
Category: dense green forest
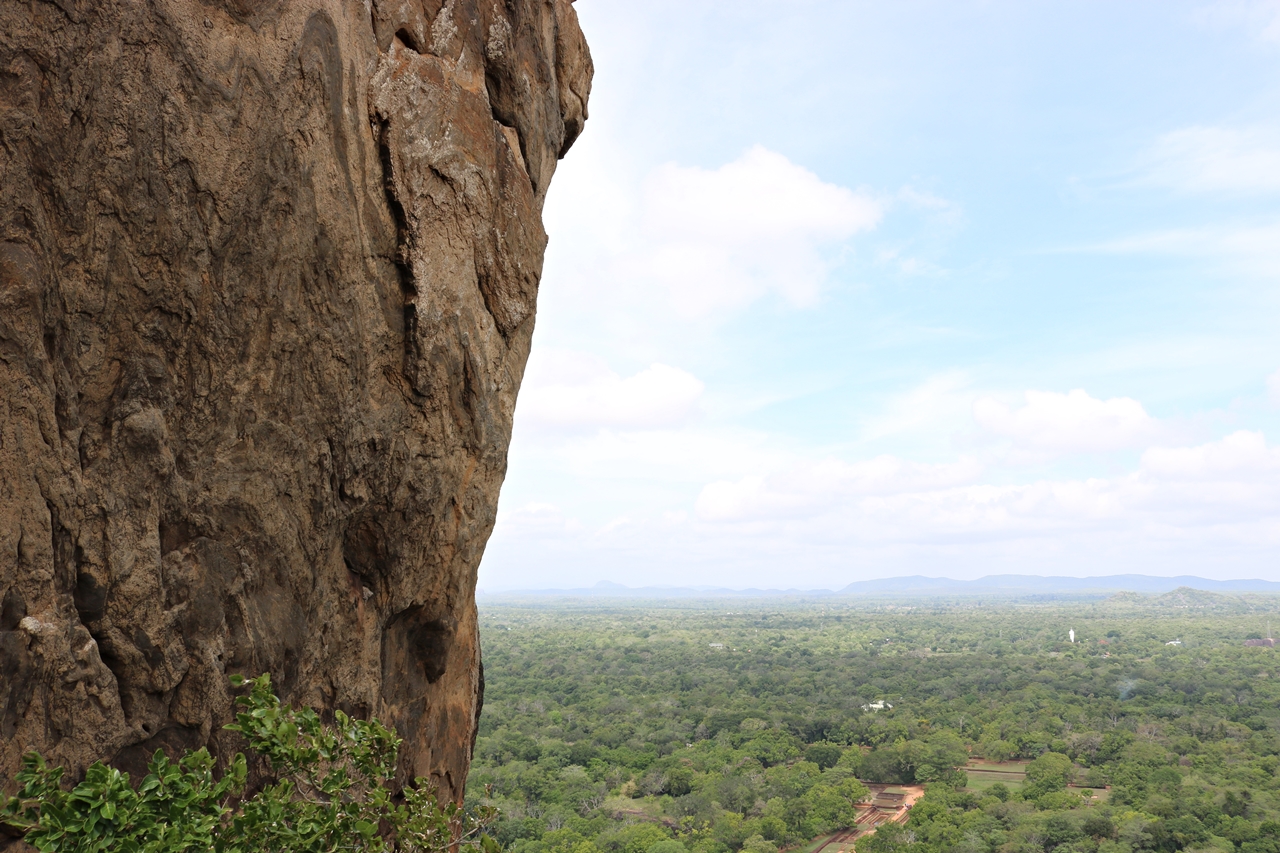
column 741, row 724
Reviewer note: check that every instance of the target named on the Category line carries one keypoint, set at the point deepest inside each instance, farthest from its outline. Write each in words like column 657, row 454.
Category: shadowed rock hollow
column 268, row 271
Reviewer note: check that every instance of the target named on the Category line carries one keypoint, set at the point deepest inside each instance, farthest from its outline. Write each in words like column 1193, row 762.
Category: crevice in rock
column 19, row 685
column 335, row 481
column 12, row 609
column 410, row 337
column 63, row 411
column 467, row 417
column 15, row 662
column 397, row 210
column 90, row 599
column 112, row 661
column 63, row 549
column 404, row 272
column 504, row 116
column 408, row 40
column 475, row 720
column 83, row 450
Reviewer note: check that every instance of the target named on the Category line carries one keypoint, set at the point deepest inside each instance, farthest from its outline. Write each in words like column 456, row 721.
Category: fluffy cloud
column 722, row 238
column 808, row 488
column 641, row 258
column 747, row 499
column 1239, row 458
column 732, row 506
column 1053, row 424
column 1211, row 509
column 1231, row 482
column 572, row 390
column 1216, row 159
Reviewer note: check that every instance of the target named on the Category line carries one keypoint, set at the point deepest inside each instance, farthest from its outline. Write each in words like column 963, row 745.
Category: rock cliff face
column 268, row 271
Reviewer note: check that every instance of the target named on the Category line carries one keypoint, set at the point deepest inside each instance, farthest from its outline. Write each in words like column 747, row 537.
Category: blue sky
column 841, row 290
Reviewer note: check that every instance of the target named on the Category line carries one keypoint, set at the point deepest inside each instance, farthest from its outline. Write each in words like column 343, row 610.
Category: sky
column 848, row 290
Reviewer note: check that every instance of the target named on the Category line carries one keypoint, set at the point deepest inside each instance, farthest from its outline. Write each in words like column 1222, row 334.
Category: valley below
column 912, row 725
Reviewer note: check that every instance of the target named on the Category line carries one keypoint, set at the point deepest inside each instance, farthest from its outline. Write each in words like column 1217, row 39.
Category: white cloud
column 731, row 506
column 942, row 398
column 539, row 520
column 883, row 474
column 807, row 488
column 720, row 239
column 1242, row 456
column 1216, row 159
column 1075, row 422
column 572, row 390
column 1250, row 249
column 746, row 499
column 1262, row 17
column 1231, row 482
column 936, row 204
column 683, row 458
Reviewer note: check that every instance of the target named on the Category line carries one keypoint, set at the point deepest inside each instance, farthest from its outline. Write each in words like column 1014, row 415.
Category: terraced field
column 888, row 804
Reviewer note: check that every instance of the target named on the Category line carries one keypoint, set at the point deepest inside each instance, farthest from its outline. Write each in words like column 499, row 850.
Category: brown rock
column 268, row 271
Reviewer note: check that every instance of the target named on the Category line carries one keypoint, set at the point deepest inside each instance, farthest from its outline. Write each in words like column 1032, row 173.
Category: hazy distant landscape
column 998, row 585
column 721, row 724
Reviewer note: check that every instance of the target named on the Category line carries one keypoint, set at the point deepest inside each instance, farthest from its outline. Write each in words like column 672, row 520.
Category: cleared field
column 983, row 774
column 1099, row 794
column 1019, row 767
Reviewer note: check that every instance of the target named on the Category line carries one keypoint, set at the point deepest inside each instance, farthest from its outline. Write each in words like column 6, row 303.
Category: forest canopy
column 717, row 726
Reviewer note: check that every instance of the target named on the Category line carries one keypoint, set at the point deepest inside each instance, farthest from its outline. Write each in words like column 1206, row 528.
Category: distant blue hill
column 608, row 589
column 1007, row 585
column 918, row 584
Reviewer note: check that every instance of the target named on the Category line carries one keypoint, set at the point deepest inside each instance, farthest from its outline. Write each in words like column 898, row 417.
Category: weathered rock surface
column 268, row 272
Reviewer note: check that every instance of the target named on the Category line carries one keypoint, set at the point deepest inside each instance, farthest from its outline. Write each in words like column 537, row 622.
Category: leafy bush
column 333, row 791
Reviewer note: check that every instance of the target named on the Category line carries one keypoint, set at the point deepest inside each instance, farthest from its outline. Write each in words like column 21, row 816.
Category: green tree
column 332, row 792
column 1051, row 771
column 823, row 754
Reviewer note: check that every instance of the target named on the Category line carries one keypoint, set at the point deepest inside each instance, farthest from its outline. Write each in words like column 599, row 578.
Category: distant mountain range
column 918, row 584
column 999, row 585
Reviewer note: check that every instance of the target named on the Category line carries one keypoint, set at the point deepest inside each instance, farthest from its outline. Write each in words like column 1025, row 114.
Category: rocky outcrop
column 268, row 271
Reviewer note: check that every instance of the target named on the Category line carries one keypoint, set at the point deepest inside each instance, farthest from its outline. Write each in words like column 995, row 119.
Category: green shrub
column 333, row 791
